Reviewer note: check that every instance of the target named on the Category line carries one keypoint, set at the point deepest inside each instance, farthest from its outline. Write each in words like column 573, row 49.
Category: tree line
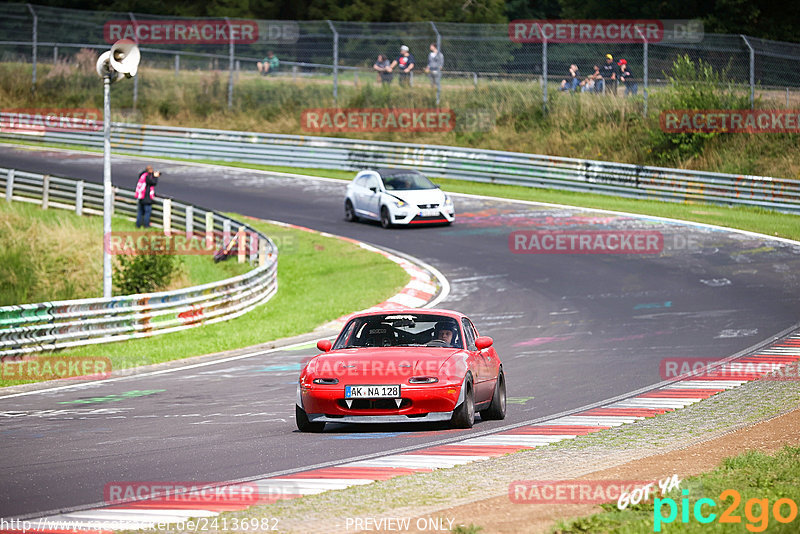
column 768, row 19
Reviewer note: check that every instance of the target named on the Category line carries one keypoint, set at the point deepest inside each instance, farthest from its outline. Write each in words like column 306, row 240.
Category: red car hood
column 398, row 363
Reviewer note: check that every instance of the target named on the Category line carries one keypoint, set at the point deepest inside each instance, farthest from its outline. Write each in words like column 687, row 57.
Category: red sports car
column 398, row 366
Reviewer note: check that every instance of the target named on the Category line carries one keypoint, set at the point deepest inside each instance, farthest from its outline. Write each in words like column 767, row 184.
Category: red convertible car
column 398, row 366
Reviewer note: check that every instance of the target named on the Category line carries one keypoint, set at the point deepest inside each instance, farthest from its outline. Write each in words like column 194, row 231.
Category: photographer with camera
column 145, row 194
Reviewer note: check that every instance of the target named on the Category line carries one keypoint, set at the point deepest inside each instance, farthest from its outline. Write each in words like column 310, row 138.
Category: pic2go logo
column 783, row 510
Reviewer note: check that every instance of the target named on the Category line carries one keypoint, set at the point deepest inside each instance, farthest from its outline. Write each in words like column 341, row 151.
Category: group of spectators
column 405, row 64
column 606, row 77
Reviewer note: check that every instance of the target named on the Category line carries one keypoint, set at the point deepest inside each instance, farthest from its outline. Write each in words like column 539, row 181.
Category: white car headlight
column 399, row 203
column 448, row 201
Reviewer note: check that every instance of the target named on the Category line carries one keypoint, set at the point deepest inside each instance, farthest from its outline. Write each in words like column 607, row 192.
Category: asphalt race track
column 572, row 329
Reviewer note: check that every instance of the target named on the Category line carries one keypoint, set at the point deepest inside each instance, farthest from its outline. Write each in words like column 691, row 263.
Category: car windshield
column 400, row 330
column 406, row 181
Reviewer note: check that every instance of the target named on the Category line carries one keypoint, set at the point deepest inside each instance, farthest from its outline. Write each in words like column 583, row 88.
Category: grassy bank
column 576, row 125
column 316, row 285
column 752, row 475
column 56, row 255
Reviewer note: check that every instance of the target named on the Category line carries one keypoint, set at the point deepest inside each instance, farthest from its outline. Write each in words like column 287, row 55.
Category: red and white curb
column 177, row 509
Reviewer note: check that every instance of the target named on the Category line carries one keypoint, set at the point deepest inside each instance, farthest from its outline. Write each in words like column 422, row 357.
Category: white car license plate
column 372, row 392
column 431, row 212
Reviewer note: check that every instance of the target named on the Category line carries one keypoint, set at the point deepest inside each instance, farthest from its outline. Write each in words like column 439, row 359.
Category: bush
column 693, row 86
column 144, row 273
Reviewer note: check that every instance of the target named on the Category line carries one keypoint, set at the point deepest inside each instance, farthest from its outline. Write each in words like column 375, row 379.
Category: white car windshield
column 406, row 181
column 400, row 330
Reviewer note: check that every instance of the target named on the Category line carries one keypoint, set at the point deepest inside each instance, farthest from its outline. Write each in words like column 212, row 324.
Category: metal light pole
column 107, row 193
column 119, row 62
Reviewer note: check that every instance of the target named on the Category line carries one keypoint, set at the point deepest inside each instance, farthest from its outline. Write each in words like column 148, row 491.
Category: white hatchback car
column 397, row 196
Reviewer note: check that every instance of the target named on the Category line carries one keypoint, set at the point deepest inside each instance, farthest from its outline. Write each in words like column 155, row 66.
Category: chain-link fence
column 483, row 67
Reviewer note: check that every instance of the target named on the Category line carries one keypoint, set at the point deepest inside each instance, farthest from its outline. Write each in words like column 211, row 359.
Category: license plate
column 431, row 212
column 372, row 392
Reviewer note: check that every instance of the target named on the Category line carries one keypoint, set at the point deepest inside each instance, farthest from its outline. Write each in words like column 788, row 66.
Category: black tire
column 349, row 212
column 464, row 414
column 386, row 221
column 303, row 424
column 497, row 409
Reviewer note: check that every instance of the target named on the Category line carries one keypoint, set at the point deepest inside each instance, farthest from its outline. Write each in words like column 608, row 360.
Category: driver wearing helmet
column 445, row 332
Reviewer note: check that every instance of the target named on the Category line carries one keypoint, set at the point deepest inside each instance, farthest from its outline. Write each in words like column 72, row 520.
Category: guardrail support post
column 189, row 221
column 241, row 235
column 167, row 215
column 226, row 232
column 45, row 191
column 10, row 185
column 210, row 230
column 79, row 198
column 262, row 253
column 253, row 247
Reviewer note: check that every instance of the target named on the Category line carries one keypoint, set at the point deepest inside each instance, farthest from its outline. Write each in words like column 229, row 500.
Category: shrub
column 143, row 273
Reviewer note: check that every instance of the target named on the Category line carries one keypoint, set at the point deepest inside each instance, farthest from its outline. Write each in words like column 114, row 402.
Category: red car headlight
column 422, row 380
column 326, row 381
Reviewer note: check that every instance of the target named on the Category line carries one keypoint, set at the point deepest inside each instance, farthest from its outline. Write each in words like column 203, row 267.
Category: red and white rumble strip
column 147, row 514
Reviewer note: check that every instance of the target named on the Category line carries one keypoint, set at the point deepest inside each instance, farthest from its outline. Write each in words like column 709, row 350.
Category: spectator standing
column 626, row 77
column 435, row 64
column 269, row 65
column 145, row 194
column 381, row 66
column 571, row 82
column 405, row 62
column 609, row 72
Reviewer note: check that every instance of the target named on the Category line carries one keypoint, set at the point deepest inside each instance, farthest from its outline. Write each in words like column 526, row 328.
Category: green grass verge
column 317, row 283
column 753, row 475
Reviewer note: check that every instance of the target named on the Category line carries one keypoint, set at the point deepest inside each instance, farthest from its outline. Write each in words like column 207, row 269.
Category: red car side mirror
column 484, row 342
column 324, row 345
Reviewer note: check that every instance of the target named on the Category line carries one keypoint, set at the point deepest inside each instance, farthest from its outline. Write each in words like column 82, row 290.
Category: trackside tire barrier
column 30, row 328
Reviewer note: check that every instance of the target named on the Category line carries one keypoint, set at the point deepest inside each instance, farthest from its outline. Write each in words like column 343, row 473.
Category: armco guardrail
column 617, row 179
column 29, row 328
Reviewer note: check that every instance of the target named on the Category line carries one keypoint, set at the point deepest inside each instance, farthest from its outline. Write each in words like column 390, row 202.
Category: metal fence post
column 177, row 65
column 335, row 62
column 544, row 75
column 45, row 191
column 10, row 185
column 230, row 63
column 35, row 43
column 79, row 198
column 55, row 54
column 136, row 40
column 752, row 71
column 438, row 48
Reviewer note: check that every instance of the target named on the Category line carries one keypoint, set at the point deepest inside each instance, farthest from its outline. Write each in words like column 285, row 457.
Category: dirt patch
column 499, row 515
